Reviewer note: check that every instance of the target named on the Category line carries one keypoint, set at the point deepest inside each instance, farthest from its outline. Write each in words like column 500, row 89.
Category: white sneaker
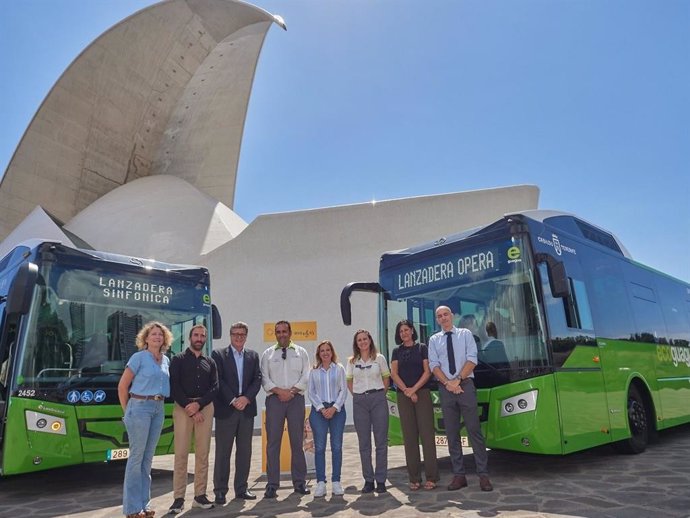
column 320, row 490
column 338, row 489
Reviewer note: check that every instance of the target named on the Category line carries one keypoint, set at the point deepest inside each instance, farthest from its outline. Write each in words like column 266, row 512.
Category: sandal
column 414, row 486
column 430, row 484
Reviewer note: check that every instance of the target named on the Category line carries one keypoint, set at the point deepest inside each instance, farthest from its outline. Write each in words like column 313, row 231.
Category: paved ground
column 593, row 484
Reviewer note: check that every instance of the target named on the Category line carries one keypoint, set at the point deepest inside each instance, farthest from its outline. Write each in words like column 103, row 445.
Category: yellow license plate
column 118, row 454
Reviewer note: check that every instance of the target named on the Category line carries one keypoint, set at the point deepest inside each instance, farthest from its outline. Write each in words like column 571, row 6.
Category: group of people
column 224, row 386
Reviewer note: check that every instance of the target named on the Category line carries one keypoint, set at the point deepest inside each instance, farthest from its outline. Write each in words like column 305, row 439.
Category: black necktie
column 451, row 353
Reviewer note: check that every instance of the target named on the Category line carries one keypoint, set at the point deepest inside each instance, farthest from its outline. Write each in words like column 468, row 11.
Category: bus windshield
column 83, row 321
column 487, row 283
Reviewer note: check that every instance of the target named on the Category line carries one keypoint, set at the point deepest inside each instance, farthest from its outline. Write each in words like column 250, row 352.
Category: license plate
column 118, row 454
column 442, row 440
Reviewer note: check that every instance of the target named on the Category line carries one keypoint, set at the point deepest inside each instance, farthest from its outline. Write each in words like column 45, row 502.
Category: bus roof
column 563, row 221
column 33, row 244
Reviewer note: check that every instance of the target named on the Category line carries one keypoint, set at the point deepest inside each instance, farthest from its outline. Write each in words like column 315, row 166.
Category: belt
column 328, row 405
column 157, row 397
column 372, row 391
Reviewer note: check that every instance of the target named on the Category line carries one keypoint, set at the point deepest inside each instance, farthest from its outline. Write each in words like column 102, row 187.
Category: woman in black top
column 410, row 372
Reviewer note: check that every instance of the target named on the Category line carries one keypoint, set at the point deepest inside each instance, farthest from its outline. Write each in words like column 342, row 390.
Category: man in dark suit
column 239, row 377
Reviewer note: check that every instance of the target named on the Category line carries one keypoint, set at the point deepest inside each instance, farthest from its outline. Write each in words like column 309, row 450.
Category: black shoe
column 368, row 487
column 302, row 489
column 221, row 500
column 270, row 492
column 203, row 502
column 381, row 487
column 177, row 506
column 247, row 495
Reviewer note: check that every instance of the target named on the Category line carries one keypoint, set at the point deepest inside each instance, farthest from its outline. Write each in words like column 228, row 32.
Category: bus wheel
column 638, row 422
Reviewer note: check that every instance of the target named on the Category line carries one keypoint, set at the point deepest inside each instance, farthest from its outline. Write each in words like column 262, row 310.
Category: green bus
column 594, row 347
column 68, row 320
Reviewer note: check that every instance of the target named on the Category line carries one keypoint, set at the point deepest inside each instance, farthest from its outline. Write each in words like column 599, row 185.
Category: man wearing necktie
column 452, row 359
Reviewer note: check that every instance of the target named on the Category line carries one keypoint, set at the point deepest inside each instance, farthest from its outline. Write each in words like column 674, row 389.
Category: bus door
column 578, row 374
column 5, row 368
column 15, row 300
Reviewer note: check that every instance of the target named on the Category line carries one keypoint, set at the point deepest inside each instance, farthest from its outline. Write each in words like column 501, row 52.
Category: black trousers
column 236, row 429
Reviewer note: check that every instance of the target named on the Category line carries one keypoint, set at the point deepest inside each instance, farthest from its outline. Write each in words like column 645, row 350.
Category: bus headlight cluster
column 40, row 422
column 519, row 404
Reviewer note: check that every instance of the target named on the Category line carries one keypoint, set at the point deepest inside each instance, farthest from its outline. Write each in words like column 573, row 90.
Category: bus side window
column 605, row 282
column 650, row 326
column 577, row 312
column 676, row 311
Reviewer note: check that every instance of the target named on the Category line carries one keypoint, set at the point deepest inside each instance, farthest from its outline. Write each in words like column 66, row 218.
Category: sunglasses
column 284, row 352
column 363, row 366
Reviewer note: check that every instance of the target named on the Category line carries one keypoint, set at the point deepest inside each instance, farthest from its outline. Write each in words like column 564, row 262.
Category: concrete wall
column 294, row 265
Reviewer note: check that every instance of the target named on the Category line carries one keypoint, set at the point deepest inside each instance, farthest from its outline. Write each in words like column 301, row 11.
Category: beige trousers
column 185, row 429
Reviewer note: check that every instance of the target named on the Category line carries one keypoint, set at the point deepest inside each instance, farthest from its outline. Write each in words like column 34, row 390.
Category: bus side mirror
column 558, row 278
column 345, row 306
column 216, row 322
column 21, row 289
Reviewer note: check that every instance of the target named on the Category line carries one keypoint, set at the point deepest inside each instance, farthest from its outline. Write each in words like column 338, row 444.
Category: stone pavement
column 593, row 484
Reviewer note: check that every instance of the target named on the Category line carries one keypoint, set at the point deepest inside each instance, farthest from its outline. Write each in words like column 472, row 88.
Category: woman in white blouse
column 327, row 392
column 368, row 377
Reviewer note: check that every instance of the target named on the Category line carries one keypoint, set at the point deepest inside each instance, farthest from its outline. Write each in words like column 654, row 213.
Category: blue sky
column 381, row 99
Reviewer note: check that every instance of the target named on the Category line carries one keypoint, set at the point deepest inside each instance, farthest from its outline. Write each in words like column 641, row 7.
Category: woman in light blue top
column 327, row 391
column 143, row 387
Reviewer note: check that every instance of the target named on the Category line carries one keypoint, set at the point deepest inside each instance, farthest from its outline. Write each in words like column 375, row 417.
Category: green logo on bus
column 513, row 253
column 207, row 298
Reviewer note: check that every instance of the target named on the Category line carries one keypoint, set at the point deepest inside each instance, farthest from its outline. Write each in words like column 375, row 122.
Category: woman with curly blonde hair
column 142, row 390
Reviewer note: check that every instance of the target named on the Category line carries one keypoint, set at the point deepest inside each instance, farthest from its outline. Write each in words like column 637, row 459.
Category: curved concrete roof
column 159, row 216
column 165, row 91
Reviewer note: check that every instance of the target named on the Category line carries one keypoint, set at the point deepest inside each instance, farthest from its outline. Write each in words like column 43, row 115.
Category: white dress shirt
column 293, row 371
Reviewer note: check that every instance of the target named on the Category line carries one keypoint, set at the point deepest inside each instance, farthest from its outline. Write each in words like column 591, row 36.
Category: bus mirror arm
column 216, row 323
column 21, row 289
column 345, row 306
column 558, row 278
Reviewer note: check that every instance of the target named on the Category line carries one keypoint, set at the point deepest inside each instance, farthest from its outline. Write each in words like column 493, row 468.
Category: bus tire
column 638, row 423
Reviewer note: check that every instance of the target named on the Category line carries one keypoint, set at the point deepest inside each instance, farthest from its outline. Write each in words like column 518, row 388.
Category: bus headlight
column 519, row 404
column 39, row 422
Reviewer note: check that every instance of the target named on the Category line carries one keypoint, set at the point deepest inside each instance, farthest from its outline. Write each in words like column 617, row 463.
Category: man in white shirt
column 284, row 376
column 452, row 359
